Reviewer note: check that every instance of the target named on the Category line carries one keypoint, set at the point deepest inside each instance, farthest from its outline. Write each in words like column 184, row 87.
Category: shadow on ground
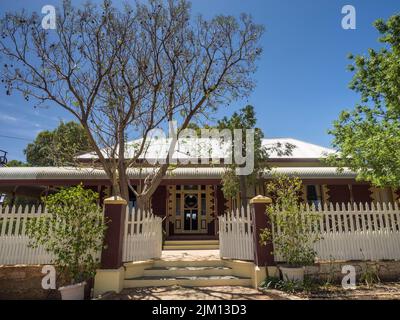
column 197, row 293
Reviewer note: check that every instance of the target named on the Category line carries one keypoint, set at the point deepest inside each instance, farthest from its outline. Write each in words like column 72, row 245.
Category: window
column 132, row 198
column 191, row 187
column 178, row 204
column 314, row 195
column 203, row 204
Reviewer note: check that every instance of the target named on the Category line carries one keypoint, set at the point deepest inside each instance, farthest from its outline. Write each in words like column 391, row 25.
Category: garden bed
column 313, row 290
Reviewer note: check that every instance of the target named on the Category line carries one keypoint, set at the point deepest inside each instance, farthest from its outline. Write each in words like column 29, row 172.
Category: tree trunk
column 143, row 202
column 243, row 192
column 123, row 183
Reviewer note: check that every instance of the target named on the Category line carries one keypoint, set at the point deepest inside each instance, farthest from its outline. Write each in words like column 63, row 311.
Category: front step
column 186, row 263
column 191, row 245
column 187, row 271
column 187, row 281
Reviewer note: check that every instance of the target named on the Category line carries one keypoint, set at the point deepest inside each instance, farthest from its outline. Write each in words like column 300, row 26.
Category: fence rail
column 142, row 236
column 236, row 235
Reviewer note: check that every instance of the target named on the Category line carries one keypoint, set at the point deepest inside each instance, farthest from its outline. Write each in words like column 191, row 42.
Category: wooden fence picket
column 142, row 236
column 236, row 235
column 358, row 232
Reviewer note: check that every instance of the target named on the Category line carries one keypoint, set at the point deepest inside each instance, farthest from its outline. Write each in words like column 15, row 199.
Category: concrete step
column 187, row 263
column 191, row 247
column 187, row 271
column 191, row 242
column 187, row 281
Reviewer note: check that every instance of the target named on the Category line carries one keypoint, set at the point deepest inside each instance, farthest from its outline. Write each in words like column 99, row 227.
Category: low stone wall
column 386, row 270
column 23, row 282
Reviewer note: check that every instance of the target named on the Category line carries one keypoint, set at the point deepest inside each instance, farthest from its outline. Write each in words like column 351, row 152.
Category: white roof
column 301, row 150
column 203, row 148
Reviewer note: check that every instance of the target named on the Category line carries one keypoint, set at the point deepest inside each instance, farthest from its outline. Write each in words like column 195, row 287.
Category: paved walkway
column 199, row 293
column 192, row 293
column 190, row 255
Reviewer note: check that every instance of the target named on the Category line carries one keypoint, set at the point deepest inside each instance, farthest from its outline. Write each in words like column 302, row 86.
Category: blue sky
column 302, row 82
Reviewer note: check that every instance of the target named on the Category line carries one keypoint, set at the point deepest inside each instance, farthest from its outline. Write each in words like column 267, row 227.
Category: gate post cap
column 261, row 199
column 115, row 200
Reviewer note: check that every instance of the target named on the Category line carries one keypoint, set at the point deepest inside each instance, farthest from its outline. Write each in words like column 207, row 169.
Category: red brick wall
column 341, row 193
column 361, row 193
column 158, row 201
column 338, row 194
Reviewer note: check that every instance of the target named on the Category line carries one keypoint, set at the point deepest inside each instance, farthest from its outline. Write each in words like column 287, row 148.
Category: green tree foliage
column 58, row 147
column 16, row 163
column 73, row 231
column 368, row 137
column 244, row 119
column 294, row 242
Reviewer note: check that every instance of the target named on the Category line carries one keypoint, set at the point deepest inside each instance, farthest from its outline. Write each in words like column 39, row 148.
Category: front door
column 190, row 209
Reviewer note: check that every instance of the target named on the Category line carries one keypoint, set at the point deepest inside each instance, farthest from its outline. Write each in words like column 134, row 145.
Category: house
column 190, row 197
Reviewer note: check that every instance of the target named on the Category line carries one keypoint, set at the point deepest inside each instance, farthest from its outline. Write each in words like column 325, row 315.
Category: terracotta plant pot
column 292, row 273
column 73, row 291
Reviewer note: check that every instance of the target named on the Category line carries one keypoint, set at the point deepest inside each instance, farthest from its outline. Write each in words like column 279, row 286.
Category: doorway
column 190, row 209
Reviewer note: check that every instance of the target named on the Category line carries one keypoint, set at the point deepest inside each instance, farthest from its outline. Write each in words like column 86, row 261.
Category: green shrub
column 289, row 286
column 73, row 231
column 295, row 239
column 370, row 275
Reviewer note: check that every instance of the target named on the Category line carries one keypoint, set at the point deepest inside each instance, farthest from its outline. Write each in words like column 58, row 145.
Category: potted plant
column 292, row 235
column 73, row 232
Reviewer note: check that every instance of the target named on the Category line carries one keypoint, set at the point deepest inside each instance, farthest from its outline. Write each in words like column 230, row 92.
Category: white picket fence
column 236, row 235
column 13, row 240
column 347, row 232
column 356, row 232
column 142, row 238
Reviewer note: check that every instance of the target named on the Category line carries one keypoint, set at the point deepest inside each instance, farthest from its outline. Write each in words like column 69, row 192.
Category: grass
column 307, row 286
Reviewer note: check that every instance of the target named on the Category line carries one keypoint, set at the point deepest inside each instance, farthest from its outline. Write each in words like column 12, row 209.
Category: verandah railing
column 347, row 232
column 142, row 236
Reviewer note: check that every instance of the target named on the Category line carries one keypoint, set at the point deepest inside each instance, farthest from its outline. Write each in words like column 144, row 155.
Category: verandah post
column 111, row 275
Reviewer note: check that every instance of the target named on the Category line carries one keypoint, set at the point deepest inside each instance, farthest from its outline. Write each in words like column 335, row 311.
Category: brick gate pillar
column 111, row 275
column 262, row 254
column 114, row 213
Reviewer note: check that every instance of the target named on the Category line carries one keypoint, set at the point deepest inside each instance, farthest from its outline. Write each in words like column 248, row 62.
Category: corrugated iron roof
column 69, row 173
column 198, row 148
